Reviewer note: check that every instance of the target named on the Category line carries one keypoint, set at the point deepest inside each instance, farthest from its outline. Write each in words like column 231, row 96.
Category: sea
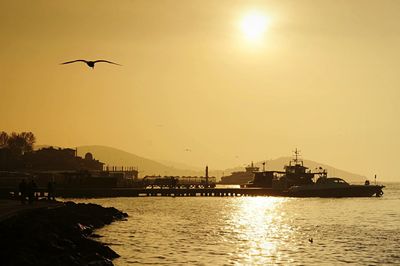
column 255, row 230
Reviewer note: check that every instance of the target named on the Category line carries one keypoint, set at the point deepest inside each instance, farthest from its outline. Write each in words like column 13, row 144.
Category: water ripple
column 256, row 231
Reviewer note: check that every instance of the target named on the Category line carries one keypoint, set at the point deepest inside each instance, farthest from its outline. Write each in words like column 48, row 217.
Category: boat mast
column 296, row 157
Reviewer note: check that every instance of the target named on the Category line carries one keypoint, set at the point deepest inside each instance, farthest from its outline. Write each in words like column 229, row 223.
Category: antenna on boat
column 263, row 166
column 296, row 156
column 375, row 180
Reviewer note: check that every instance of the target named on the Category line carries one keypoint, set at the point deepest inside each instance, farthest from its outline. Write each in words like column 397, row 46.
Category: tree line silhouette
column 17, row 143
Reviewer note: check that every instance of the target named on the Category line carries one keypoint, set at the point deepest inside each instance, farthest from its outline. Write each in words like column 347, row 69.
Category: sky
column 208, row 82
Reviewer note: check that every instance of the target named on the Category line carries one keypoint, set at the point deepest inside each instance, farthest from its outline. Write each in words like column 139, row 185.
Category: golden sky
column 322, row 76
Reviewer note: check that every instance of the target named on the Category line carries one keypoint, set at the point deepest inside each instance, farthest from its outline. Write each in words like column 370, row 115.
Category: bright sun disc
column 254, row 25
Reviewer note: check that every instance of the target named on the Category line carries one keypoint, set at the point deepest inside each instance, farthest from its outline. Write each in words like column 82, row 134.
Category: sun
column 253, row 25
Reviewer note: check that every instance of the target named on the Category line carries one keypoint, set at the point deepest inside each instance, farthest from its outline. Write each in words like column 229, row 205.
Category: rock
column 59, row 236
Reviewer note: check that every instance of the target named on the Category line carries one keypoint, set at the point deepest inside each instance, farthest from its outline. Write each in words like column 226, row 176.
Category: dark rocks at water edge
column 58, row 236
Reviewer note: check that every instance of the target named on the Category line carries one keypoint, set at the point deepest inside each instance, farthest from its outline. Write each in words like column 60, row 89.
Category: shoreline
column 56, row 234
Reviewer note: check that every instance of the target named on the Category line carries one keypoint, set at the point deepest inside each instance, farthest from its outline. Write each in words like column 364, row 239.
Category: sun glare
column 254, row 25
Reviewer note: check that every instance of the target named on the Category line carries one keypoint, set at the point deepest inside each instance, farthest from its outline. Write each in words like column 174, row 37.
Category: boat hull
column 338, row 192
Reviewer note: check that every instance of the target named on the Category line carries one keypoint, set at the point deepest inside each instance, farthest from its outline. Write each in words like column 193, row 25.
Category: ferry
column 239, row 177
column 335, row 187
column 298, row 181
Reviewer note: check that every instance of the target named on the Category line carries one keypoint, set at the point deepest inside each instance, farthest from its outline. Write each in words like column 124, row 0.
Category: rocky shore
column 57, row 236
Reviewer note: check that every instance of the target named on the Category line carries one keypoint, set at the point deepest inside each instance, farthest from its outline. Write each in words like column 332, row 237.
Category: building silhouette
column 48, row 159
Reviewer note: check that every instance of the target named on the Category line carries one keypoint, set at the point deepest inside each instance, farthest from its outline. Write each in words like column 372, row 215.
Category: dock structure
column 155, row 192
column 169, row 192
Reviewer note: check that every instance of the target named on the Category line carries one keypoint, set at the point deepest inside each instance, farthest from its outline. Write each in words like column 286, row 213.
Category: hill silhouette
column 115, row 157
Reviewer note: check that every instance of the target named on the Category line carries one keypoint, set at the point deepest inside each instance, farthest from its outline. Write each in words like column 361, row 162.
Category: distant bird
column 310, row 240
column 188, row 150
column 90, row 63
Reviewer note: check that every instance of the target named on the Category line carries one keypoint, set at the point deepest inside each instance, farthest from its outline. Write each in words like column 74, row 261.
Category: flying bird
column 90, row 63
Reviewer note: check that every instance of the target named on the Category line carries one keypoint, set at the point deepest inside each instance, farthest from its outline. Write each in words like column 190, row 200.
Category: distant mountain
column 279, row 163
column 115, row 157
column 180, row 165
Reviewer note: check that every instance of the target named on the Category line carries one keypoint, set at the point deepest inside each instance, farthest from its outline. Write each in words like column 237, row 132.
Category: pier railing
column 142, row 192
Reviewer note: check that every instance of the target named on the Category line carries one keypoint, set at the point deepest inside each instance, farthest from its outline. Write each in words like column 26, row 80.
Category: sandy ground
column 10, row 208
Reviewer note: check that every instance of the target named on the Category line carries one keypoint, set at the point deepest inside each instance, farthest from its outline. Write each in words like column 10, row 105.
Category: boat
column 298, row 181
column 329, row 187
column 295, row 173
column 240, row 177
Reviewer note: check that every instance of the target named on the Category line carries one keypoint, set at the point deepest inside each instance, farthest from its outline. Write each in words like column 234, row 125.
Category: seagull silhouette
column 90, row 63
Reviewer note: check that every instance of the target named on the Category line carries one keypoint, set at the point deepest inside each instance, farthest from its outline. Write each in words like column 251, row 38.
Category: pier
column 155, row 192
column 170, row 192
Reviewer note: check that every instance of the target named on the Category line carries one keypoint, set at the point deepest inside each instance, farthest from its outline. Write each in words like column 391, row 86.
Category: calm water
column 256, row 230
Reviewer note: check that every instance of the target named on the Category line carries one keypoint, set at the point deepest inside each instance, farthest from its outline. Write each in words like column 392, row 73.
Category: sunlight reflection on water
column 255, row 230
column 255, row 222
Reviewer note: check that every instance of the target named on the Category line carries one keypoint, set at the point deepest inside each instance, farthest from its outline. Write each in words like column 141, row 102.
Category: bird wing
column 79, row 60
column 105, row 61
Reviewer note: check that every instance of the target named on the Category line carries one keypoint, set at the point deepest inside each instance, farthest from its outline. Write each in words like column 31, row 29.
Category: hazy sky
column 322, row 76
